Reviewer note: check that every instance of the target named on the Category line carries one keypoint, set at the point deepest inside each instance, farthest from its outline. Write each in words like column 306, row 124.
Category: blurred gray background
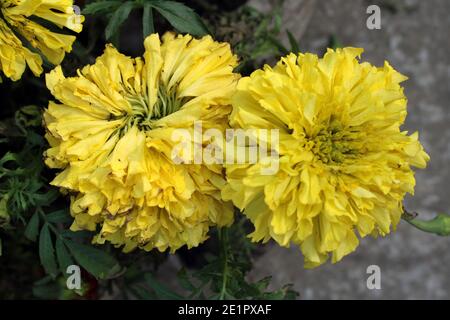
column 414, row 37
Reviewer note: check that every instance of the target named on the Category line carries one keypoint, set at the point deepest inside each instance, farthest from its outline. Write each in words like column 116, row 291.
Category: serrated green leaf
column 439, row 225
column 263, row 283
column 277, row 21
column 32, row 229
column 49, row 291
column 9, row 156
column 22, row 202
column 47, row 252
column 59, row 216
column 43, row 281
column 334, row 43
column 293, row 43
column 97, row 262
column 47, row 198
column 63, row 255
column 76, row 234
column 184, row 280
column 278, row 45
column 181, row 17
column 118, row 18
column 142, row 293
column 147, row 20
column 160, row 290
column 101, row 6
column 28, row 116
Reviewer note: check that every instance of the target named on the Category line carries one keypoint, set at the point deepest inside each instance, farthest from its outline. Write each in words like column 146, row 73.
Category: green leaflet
column 118, row 18
column 97, row 262
column 47, row 252
column 180, row 16
column 147, row 20
column 32, row 229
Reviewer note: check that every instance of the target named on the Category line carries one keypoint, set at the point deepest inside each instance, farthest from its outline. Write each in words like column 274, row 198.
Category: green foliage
column 253, row 35
column 160, row 290
column 224, row 276
column 147, row 20
column 334, row 42
column 47, row 252
column 181, row 17
column 97, row 262
column 56, row 257
column 21, row 186
column 27, row 198
column 118, row 18
column 64, row 257
column 293, row 42
column 100, row 7
column 49, row 288
column 262, row 42
column 32, row 229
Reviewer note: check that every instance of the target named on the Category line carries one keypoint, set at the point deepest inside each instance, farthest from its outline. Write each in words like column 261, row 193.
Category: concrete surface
column 414, row 38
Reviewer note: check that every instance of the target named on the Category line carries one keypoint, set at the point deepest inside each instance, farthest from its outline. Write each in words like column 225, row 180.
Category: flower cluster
column 344, row 164
column 111, row 137
column 19, row 28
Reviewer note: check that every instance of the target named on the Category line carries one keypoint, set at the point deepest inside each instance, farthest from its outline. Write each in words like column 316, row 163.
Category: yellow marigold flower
column 344, row 163
column 17, row 19
column 111, row 134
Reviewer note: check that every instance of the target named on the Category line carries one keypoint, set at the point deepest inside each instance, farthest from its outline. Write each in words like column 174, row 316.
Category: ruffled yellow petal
column 17, row 18
column 14, row 56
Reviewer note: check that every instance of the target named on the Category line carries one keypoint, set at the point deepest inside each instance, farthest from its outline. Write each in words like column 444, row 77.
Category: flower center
column 334, row 143
column 144, row 116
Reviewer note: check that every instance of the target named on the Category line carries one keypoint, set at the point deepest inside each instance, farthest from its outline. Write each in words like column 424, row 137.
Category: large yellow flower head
column 344, row 163
column 19, row 28
column 112, row 136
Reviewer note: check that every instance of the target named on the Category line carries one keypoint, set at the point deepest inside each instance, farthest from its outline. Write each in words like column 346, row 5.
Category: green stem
column 223, row 241
column 439, row 225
